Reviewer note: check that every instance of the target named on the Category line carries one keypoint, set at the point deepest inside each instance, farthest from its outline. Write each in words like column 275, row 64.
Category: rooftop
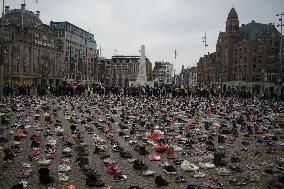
column 122, row 56
column 254, row 30
column 22, row 17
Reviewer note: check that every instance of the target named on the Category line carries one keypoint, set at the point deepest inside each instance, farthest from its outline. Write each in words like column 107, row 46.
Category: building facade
column 119, row 70
column 103, row 71
column 247, row 57
column 206, row 70
column 188, row 77
column 126, row 68
column 32, row 53
column 163, row 73
column 80, row 52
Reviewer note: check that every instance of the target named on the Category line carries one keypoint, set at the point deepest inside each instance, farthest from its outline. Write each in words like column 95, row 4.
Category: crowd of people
column 104, row 90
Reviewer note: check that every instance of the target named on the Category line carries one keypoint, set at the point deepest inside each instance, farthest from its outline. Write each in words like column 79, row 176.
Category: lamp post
column 205, row 43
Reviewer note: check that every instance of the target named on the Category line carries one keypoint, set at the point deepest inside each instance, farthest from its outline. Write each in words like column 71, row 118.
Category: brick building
column 246, row 57
column 206, row 70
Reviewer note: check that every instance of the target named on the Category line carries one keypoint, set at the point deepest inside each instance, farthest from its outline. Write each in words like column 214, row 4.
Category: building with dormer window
column 247, row 58
column 32, row 52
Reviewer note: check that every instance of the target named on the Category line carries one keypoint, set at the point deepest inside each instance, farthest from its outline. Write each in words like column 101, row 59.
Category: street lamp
column 205, row 42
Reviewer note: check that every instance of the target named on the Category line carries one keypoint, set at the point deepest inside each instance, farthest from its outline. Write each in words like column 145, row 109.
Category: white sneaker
column 131, row 160
column 186, row 166
column 25, row 183
column 67, row 149
column 64, row 168
column 223, row 171
column 26, row 165
column 108, row 160
column 206, row 165
column 44, row 162
column 148, row 172
column 177, row 149
column 63, row 177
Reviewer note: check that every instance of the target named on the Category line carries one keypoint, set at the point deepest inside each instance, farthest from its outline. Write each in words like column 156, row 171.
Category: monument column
column 142, row 77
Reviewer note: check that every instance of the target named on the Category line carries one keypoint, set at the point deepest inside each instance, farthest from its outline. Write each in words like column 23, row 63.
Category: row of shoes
column 100, row 149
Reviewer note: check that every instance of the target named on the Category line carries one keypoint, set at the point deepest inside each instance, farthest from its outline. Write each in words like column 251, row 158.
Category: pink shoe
column 50, row 156
column 154, row 157
column 64, row 160
column 214, row 184
column 35, row 153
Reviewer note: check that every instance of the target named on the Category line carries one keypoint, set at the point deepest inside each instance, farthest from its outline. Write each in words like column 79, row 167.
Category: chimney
column 37, row 14
column 23, row 6
column 7, row 9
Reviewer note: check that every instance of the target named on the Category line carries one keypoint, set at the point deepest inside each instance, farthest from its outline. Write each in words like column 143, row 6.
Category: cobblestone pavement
column 101, row 113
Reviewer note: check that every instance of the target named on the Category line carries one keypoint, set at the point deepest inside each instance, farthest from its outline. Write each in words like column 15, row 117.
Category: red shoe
column 50, row 156
column 190, row 126
column 160, row 148
column 37, row 140
column 171, row 153
column 154, row 136
column 64, row 160
column 22, row 134
column 113, row 170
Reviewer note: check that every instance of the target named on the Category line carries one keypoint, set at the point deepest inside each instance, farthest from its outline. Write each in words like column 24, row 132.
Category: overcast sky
column 161, row 25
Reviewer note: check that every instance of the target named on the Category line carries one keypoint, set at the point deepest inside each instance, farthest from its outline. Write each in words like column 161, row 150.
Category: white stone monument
column 142, row 75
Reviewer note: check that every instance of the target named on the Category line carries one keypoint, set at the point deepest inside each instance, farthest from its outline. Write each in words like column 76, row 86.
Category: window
column 44, row 37
column 36, row 35
column 61, row 34
column 61, row 25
